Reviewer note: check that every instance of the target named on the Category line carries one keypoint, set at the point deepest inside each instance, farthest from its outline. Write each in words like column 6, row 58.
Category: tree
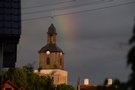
column 16, row 75
column 64, row 87
column 119, row 85
column 26, row 78
column 28, row 69
column 131, row 61
column 106, row 81
column 116, row 85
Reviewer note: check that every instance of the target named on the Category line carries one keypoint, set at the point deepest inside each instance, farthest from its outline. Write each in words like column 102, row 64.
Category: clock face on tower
column 60, row 53
column 47, row 52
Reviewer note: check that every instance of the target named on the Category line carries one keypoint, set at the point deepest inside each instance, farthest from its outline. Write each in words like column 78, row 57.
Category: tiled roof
column 10, row 17
column 11, row 84
column 51, row 48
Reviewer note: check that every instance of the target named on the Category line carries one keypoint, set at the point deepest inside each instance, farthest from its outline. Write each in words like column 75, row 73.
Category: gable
column 9, row 86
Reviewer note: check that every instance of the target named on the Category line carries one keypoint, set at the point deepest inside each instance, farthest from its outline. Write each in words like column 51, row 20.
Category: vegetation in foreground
column 26, row 78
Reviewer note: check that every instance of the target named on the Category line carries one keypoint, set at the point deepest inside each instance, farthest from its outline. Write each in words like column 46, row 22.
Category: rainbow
column 65, row 29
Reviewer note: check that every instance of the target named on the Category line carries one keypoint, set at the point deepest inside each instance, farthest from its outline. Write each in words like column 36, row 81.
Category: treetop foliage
column 26, row 78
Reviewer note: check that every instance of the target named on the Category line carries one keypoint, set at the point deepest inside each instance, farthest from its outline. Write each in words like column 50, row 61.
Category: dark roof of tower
column 51, row 30
column 51, row 48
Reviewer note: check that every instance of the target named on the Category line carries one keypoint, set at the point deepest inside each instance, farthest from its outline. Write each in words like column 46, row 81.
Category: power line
column 81, row 11
column 51, row 4
column 68, row 7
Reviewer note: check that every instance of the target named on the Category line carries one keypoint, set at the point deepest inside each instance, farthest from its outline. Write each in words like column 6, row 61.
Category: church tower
column 51, row 59
column 51, row 56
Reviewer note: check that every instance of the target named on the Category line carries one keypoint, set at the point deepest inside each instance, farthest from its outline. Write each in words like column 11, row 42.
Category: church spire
column 51, row 35
column 51, row 59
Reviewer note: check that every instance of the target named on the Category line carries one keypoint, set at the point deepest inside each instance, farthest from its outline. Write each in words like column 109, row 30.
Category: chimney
column 109, row 81
column 86, row 81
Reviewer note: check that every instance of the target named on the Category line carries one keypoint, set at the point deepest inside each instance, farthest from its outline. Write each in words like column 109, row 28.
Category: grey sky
column 96, row 45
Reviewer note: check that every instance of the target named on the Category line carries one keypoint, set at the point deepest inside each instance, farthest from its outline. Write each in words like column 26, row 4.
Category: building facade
column 8, row 85
column 87, row 86
column 10, row 30
column 51, row 59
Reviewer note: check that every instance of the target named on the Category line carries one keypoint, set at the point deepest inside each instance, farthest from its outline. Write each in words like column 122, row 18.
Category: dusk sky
column 93, row 34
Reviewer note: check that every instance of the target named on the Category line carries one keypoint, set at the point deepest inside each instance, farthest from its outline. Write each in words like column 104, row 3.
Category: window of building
column 51, row 38
column 8, row 89
column 60, row 61
column 48, row 61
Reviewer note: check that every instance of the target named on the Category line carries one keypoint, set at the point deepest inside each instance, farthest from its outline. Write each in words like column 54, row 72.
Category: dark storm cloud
column 99, row 49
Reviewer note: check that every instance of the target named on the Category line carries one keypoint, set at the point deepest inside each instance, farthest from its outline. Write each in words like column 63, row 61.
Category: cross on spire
column 52, row 15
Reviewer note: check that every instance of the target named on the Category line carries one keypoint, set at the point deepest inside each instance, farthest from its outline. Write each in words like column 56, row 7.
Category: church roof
column 51, row 48
column 51, row 30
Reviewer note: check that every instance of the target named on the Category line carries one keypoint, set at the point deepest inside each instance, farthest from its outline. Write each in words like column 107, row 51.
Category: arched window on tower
column 60, row 58
column 48, row 58
column 48, row 61
column 51, row 38
column 60, row 61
